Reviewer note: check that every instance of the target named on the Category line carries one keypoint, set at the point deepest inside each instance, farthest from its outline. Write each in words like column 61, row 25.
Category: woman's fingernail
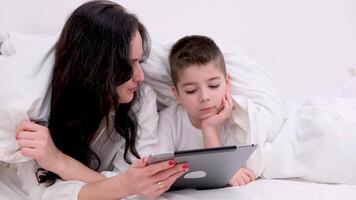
column 185, row 166
column 143, row 159
column 171, row 162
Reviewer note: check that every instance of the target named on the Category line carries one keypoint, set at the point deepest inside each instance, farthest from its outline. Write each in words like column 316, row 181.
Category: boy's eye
column 214, row 86
column 190, row 91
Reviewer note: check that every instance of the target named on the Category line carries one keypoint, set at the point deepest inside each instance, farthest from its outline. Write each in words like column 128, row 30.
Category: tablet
column 208, row 168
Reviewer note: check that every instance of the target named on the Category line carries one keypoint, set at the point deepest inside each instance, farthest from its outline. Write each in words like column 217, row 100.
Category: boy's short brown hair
column 194, row 50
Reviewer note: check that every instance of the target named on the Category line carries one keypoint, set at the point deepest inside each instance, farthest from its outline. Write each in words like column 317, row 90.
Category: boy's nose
column 204, row 97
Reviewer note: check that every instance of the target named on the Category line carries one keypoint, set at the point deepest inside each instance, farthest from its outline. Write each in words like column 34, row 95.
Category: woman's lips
column 133, row 89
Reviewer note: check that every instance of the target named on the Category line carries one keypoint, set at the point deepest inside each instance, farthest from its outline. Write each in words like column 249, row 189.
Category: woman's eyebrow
column 135, row 59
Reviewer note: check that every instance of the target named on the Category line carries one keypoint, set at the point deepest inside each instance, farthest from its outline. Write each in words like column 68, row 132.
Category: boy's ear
column 176, row 94
column 228, row 79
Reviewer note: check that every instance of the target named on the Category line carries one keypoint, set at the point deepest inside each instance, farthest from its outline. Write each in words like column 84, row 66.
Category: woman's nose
column 138, row 74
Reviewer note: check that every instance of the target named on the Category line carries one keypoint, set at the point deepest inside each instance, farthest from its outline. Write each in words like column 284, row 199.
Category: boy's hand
column 210, row 126
column 223, row 114
column 242, row 177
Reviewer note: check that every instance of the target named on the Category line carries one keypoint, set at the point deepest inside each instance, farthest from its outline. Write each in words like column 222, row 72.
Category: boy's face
column 200, row 90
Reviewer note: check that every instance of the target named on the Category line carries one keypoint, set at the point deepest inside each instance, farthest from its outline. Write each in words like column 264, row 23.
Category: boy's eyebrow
column 189, row 83
column 193, row 83
column 214, row 78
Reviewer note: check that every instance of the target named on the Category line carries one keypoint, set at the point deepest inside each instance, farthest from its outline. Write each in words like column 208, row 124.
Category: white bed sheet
column 270, row 190
column 10, row 186
column 262, row 189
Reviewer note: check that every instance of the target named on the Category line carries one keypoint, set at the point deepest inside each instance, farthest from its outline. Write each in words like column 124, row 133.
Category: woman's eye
column 190, row 91
column 214, row 86
column 141, row 61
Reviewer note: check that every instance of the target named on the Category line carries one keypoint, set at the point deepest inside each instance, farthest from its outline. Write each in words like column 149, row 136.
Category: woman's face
column 126, row 90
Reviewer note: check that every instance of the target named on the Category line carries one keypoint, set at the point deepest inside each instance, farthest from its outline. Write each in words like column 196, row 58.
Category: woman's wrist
column 60, row 164
column 125, row 185
column 116, row 187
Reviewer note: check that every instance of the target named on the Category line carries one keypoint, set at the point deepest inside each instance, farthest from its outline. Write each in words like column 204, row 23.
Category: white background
column 309, row 46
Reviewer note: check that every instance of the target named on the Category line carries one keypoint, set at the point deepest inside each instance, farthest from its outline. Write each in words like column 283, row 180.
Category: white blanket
column 268, row 190
column 24, row 88
column 317, row 143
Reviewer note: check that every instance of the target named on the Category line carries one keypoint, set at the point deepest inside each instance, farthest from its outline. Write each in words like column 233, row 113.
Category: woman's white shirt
column 109, row 150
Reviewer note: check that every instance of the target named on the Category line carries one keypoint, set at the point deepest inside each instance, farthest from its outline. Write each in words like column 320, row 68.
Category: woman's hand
column 153, row 180
column 35, row 142
column 242, row 177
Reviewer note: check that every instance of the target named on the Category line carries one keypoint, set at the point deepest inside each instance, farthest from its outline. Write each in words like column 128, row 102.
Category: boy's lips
column 207, row 109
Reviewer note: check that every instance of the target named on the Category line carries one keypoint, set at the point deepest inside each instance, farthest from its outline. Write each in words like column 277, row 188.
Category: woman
column 96, row 74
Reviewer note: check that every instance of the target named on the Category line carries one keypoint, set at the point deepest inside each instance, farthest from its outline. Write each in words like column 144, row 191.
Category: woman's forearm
column 71, row 169
column 110, row 188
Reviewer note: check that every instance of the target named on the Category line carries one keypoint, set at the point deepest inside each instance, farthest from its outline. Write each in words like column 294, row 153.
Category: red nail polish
column 172, row 162
column 185, row 165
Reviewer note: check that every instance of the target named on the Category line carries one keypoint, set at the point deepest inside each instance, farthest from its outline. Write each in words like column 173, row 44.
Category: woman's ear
column 176, row 94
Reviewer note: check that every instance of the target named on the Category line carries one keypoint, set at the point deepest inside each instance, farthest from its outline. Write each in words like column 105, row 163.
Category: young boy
column 201, row 119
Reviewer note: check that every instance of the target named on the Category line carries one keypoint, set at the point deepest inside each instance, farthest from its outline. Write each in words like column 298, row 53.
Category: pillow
column 2, row 36
column 348, row 90
column 14, row 42
column 25, row 76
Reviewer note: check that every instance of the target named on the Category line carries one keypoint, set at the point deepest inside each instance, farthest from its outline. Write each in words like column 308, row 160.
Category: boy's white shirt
column 176, row 132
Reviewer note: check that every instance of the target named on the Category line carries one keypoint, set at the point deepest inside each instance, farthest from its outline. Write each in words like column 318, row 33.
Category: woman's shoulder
column 145, row 90
column 174, row 112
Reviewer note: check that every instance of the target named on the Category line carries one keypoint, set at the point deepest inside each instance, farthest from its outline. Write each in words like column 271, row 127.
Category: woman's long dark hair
column 91, row 60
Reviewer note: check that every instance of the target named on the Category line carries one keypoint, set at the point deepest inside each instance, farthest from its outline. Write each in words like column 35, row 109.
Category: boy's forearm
column 71, row 169
column 211, row 137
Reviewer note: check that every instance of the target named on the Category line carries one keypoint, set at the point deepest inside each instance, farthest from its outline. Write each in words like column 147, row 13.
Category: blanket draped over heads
column 26, row 66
